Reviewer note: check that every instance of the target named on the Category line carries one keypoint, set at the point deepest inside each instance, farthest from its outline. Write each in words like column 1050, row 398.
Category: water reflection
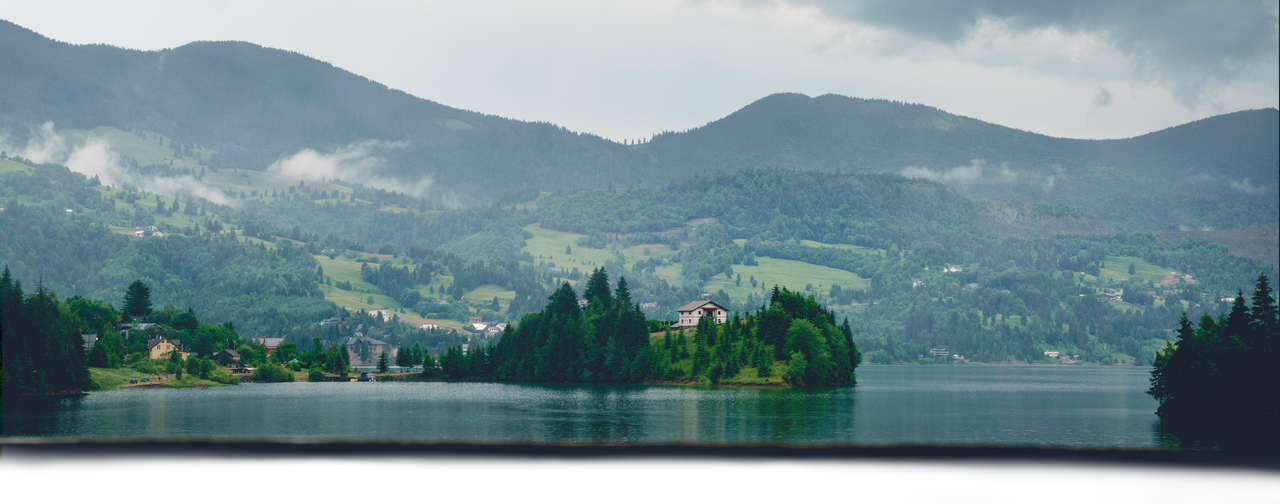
column 974, row 405
column 1216, row 434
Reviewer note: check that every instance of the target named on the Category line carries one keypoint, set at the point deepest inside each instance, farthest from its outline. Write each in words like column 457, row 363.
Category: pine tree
column 623, row 292
column 382, row 362
column 137, row 299
column 597, row 291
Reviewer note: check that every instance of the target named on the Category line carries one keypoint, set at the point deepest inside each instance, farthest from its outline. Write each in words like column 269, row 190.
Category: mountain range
column 252, row 106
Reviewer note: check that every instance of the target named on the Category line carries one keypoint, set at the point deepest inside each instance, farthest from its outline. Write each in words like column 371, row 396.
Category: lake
column 1055, row 406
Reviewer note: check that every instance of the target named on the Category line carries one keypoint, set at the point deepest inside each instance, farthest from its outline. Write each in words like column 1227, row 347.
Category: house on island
column 691, row 313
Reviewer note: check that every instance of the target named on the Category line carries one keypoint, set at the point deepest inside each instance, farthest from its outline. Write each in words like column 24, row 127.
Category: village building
column 365, row 351
column 270, row 343
column 332, row 320
column 160, row 348
column 89, row 341
column 227, row 357
column 691, row 313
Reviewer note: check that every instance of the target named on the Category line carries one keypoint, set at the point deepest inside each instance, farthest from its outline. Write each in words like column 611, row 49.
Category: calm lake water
column 1063, row 406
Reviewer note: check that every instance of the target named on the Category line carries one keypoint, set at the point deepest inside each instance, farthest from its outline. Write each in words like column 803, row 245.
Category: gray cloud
column 1103, row 98
column 1188, row 45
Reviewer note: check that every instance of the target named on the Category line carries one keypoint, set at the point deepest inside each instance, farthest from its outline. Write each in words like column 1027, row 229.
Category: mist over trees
column 1218, row 173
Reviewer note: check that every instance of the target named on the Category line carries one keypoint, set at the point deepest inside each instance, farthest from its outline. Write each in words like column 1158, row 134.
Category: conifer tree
column 137, row 299
column 382, row 362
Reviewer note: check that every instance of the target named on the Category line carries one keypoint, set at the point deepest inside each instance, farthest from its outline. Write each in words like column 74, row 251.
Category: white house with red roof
column 691, row 313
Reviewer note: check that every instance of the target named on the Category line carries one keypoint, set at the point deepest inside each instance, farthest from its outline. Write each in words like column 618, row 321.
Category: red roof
column 699, row 304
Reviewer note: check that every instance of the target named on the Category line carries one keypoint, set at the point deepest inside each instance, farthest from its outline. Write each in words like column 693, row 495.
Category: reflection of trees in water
column 1216, row 434
column 800, row 416
column 38, row 415
column 613, row 414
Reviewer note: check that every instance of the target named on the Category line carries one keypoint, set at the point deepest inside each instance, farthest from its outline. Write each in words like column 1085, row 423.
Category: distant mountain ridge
column 256, row 105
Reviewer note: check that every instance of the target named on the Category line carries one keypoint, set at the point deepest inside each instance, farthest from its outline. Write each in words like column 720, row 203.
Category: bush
column 223, row 377
column 144, row 367
column 134, row 358
column 272, row 373
column 315, row 376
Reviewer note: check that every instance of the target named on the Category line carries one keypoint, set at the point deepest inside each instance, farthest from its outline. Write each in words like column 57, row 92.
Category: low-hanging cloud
column 44, row 145
column 94, row 158
column 363, row 162
column 965, row 176
column 1189, row 45
column 1244, row 186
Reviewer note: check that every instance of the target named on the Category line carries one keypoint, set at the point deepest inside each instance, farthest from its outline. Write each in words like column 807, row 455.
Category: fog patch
column 363, row 162
column 1244, row 186
column 976, row 172
column 45, row 145
column 1048, row 184
column 94, row 158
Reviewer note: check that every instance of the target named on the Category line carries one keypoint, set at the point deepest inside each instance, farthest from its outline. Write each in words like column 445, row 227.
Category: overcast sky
column 626, row 70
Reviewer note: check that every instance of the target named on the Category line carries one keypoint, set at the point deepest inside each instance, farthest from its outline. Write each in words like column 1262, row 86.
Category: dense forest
column 935, row 278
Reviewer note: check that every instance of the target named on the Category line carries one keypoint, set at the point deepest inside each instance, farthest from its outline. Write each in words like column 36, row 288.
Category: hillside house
column 691, row 313
column 89, row 341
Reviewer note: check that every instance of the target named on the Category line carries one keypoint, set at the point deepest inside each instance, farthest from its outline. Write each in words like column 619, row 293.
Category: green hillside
column 208, row 98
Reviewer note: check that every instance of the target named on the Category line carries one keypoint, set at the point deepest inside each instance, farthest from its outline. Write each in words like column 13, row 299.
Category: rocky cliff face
column 1015, row 218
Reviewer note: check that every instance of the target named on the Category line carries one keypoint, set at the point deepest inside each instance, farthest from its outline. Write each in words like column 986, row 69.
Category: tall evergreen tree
column 597, row 292
column 137, row 299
